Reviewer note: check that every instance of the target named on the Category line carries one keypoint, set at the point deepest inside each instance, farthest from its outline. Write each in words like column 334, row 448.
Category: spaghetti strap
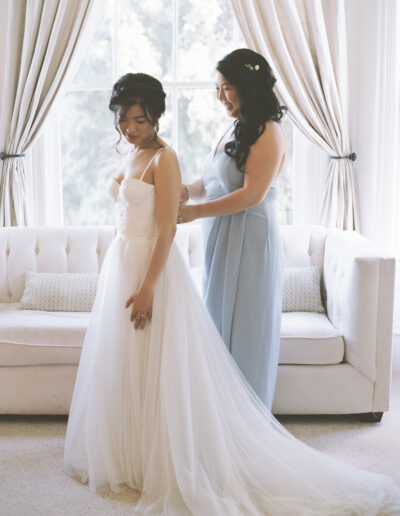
column 150, row 162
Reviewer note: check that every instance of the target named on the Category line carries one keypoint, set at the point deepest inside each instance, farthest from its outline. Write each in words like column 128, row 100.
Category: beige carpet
column 32, row 482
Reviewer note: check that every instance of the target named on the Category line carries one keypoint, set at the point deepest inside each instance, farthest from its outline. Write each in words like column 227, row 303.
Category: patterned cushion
column 59, row 292
column 302, row 289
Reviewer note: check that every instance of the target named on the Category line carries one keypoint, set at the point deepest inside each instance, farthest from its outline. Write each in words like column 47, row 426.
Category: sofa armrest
column 359, row 296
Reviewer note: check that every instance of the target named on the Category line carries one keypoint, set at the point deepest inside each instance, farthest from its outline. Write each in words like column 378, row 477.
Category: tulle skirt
column 166, row 411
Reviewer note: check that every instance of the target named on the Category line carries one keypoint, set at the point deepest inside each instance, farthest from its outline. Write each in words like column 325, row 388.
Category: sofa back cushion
column 303, row 245
column 82, row 249
column 43, row 249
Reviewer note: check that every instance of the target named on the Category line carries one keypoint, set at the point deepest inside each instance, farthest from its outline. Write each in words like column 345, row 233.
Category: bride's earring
column 156, row 127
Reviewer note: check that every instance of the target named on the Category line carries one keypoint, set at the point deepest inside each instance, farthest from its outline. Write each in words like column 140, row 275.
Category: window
column 180, row 48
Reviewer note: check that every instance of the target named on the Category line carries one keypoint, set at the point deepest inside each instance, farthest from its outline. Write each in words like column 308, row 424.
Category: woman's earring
column 157, row 126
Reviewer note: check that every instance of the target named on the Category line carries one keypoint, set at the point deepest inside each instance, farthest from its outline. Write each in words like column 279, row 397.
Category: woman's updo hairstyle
column 141, row 89
column 254, row 80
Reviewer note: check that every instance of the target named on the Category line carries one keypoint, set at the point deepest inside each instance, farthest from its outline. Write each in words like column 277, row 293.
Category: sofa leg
column 371, row 417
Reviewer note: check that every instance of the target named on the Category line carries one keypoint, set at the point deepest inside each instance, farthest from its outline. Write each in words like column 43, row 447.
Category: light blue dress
column 242, row 279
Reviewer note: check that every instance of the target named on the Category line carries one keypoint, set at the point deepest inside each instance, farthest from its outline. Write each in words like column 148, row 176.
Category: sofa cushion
column 30, row 337
column 309, row 338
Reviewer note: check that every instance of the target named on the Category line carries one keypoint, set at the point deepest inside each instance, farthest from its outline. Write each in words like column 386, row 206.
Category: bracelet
column 185, row 187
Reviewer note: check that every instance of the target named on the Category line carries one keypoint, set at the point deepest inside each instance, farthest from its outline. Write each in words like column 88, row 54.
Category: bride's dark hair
column 254, row 80
column 141, row 89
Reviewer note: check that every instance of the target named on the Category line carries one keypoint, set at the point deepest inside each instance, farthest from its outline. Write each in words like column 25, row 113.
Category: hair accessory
column 251, row 67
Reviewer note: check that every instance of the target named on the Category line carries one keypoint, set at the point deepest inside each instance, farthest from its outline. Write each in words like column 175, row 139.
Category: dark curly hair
column 141, row 89
column 253, row 78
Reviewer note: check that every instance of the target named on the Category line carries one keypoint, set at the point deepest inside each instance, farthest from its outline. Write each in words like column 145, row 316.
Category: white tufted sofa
column 329, row 364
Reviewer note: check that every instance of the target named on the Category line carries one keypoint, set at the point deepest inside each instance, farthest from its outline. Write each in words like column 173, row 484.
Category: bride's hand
column 187, row 213
column 142, row 307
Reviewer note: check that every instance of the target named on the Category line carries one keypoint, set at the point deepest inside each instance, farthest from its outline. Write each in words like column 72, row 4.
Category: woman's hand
column 184, row 195
column 188, row 213
column 142, row 307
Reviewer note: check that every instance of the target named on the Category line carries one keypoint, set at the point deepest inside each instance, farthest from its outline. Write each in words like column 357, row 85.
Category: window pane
column 88, row 157
column 96, row 67
column 144, row 37
column 201, row 120
column 205, row 34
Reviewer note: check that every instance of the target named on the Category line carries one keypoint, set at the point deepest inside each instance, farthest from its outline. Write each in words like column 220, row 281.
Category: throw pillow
column 59, row 292
column 302, row 289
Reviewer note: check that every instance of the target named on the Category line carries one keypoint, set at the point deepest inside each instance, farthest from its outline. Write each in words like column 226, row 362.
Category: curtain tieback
column 352, row 157
column 4, row 155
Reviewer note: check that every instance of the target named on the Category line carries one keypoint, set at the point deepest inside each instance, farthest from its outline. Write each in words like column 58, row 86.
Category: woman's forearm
column 234, row 202
column 159, row 257
column 196, row 189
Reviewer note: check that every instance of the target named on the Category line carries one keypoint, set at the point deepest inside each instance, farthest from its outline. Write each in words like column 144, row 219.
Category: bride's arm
column 167, row 182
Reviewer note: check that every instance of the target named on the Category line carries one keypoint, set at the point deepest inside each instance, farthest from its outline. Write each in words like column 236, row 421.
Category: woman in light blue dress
column 243, row 257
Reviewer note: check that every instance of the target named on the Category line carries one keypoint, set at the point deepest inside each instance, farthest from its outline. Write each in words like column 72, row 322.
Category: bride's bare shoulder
column 166, row 155
column 167, row 164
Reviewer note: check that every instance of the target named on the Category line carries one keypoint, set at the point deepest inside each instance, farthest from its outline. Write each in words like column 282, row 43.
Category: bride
column 159, row 404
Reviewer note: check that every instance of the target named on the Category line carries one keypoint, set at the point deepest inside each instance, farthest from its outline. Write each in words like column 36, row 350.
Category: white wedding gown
column 167, row 412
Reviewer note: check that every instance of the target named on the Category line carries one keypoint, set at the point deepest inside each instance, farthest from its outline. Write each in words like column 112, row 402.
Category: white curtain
column 308, row 179
column 305, row 43
column 41, row 46
column 44, row 176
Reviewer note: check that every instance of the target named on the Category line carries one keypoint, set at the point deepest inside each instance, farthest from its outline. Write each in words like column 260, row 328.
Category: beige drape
column 305, row 43
column 41, row 44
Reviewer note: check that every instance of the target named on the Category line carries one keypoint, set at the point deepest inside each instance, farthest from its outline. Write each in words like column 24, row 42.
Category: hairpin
column 252, row 68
